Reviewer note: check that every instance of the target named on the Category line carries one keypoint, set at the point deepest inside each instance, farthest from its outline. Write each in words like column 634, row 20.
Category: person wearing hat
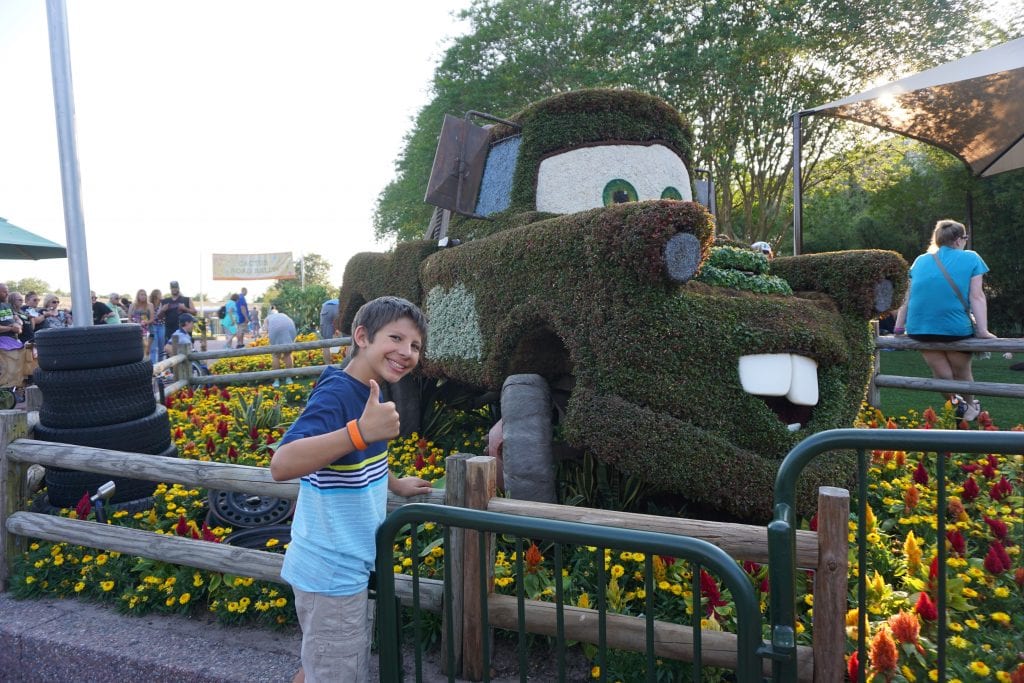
column 174, row 306
column 182, row 335
column 764, row 248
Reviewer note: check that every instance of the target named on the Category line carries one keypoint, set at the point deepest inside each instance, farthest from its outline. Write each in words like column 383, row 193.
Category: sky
column 227, row 126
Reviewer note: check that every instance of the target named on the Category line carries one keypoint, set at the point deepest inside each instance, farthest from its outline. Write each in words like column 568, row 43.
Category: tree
column 313, row 269
column 29, row 284
column 302, row 304
column 736, row 69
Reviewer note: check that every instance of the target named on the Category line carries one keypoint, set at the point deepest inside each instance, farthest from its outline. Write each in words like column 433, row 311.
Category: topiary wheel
column 95, row 397
column 233, row 509
column 81, row 348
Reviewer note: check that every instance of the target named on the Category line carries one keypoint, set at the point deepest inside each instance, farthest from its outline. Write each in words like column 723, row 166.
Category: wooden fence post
column 874, row 397
column 481, row 484
column 455, row 495
column 830, row 584
column 13, row 489
column 183, row 371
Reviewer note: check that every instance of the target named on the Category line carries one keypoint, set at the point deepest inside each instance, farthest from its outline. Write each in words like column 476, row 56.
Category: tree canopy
column 737, row 70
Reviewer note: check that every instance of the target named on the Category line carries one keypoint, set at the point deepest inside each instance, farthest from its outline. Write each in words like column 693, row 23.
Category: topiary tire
column 64, row 488
column 150, row 434
column 82, row 348
column 256, row 538
column 95, row 397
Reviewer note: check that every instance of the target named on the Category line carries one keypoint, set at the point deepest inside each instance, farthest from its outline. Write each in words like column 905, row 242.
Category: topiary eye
column 671, row 193
column 619, row 191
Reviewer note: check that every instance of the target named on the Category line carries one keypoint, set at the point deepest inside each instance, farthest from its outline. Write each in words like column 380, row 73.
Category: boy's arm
column 379, row 422
column 408, row 486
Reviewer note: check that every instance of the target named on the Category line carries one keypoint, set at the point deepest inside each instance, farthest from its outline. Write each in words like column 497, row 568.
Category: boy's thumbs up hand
column 379, row 421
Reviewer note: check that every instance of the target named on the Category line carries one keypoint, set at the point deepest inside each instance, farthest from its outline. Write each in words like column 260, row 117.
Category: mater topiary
column 699, row 389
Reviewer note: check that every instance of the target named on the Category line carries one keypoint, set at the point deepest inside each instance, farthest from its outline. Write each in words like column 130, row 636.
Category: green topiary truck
column 581, row 262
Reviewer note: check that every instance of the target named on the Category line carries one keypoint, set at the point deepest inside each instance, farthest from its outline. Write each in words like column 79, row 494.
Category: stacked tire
column 97, row 392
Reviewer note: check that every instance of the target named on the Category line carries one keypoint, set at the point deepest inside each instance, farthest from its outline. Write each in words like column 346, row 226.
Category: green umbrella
column 18, row 243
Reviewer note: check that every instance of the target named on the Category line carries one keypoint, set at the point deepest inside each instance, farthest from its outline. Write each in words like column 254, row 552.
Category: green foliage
column 738, row 258
column 762, row 284
column 736, row 70
column 302, row 305
column 29, row 284
column 257, row 414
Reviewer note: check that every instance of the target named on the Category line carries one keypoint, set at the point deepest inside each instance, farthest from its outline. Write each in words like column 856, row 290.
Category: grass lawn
column 1005, row 412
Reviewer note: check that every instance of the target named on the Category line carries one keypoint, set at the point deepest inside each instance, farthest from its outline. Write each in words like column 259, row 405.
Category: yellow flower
column 80, row 586
column 584, row 601
column 232, row 606
column 107, row 586
column 170, row 601
column 184, row 598
column 30, row 580
column 595, row 672
column 280, row 602
column 271, row 542
column 617, row 571
column 1001, row 618
column 979, row 668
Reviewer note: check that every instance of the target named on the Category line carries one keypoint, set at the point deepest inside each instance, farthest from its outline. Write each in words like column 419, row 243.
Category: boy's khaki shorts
column 336, row 636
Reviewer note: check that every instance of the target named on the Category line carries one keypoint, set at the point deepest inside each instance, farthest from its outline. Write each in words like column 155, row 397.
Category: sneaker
column 959, row 405
column 972, row 411
column 276, row 383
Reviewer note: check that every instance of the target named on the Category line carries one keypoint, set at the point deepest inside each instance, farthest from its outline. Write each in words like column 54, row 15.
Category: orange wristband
column 355, row 435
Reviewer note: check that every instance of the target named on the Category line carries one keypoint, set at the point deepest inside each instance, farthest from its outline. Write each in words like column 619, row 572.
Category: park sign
column 275, row 266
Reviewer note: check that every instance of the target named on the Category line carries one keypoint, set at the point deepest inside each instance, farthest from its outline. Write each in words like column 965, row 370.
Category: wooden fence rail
column 903, row 343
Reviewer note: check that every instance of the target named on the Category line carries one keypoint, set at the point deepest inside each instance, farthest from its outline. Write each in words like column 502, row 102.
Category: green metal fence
column 782, row 529
column 698, row 552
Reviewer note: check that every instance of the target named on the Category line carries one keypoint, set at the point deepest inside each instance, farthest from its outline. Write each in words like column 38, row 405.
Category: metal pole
column 798, row 206
column 70, row 180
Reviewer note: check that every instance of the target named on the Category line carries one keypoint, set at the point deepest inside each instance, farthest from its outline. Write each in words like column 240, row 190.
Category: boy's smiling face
column 390, row 356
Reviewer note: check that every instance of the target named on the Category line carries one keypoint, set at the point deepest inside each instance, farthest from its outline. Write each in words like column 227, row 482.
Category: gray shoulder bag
column 956, row 290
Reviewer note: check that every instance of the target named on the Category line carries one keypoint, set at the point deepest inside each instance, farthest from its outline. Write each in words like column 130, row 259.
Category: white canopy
column 973, row 108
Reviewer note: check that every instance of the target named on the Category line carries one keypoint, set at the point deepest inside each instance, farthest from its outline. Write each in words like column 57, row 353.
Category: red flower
column 84, row 506
column 181, row 528
column 709, row 590
column 929, row 416
column 956, row 542
column 271, row 438
column 222, row 428
column 925, row 608
column 1018, row 576
column 232, row 453
column 991, row 465
column 224, row 409
column 891, row 424
column 852, row 667
column 668, row 560
column 998, row 527
column 210, row 446
column 178, row 433
column 254, row 433
column 970, row 491
column 1000, row 489
column 921, row 474
column 1017, row 675
column 533, row 558
column 997, row 561
column 814, row 522
column 208, row 534
column 225, row 394
column 420, row 462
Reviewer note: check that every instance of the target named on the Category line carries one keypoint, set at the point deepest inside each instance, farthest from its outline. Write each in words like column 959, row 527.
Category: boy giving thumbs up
column 338, row 449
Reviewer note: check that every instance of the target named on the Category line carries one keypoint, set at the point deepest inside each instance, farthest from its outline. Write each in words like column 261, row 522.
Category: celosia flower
column 1017, row 675
column 912, row 551
column 883, row 655
column 852, row 667
column 989, row 469
column 84, row 506
column 970, row 490
column 911, row 497
column 1000, row 489
column 956, row 542
column 925, row 608
column 906, row 629
column 533, row 558
column 997, row 561
column 709, row 590
column 921, row 474
column 182, row 528
column 929, row 416
column 998, row 527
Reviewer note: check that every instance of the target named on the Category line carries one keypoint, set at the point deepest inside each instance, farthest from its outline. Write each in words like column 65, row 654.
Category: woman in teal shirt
column 933, row 312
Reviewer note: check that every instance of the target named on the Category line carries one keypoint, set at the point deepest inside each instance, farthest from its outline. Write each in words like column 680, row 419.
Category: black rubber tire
column 41, row 503
column 245, row 510
column 150, row 434
column 257, row 538
column 81, row 348
column 64, row 488
column 95, row 397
